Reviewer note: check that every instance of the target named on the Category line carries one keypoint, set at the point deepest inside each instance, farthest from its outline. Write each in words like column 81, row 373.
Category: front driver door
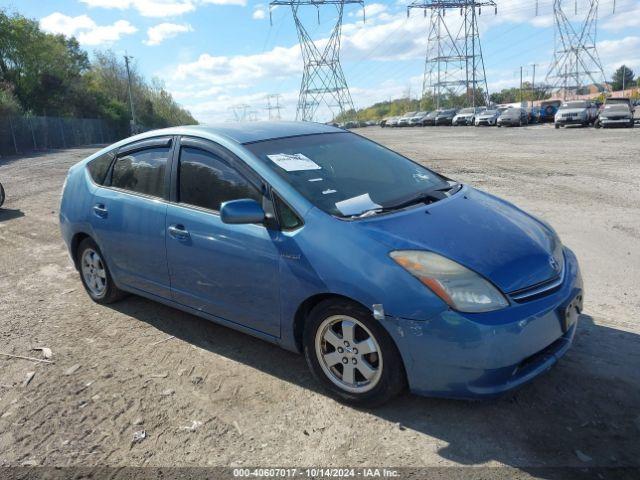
column 230, row 271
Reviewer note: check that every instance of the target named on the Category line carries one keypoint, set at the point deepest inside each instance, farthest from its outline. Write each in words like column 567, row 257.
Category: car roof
column 246, row 132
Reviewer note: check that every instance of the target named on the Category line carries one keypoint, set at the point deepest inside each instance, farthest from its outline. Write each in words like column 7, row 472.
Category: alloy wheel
column 348, row 354
column 94, row 272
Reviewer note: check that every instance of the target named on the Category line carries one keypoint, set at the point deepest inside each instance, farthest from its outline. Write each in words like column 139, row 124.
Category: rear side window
column 98, row 167
column 207, row 181
column 142, row 171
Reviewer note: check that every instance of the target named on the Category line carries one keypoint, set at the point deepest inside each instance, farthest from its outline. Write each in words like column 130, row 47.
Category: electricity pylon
column 275, row 106
column 322, row 80
column 240, row 112
column 575, row 59
column 454, row 64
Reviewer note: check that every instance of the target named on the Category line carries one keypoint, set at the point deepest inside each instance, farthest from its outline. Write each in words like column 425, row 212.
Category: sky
column 213, row 55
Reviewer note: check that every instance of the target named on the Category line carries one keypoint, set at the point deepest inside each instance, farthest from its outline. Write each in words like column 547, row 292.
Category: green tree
column 622, row 78
column 45, row 74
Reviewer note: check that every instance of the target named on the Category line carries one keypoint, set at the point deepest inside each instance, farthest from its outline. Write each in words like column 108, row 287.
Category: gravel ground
column 206, row 395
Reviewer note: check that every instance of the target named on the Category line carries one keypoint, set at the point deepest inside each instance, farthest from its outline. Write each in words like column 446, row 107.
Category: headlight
column 459, row 287
column 604, row 118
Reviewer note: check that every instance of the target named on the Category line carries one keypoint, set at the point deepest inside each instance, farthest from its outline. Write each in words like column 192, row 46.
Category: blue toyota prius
column 382, row 272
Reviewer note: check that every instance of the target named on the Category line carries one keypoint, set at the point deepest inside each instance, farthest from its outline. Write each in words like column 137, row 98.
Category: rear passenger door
column 128, row 216
column 230, row 271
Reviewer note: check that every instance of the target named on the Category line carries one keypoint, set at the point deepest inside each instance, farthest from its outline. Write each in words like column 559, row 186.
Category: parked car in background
column 620, row 101
column 576, row 112
column 487, row 118
column 548, row 110
column 467, row 116
column 430, row 119
column 393, row 122
column 615, row 115
column 513, row 117
column 417, row 119
column 404, row 119
column 445, row 117
column 316, row 239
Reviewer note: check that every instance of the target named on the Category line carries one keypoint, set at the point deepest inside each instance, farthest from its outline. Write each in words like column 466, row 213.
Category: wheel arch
column 75, row 243
column 309, row 304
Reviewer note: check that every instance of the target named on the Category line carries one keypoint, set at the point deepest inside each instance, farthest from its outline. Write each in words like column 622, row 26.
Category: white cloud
column 614, row 53
column 237, row 70
column 259, row 13
column 159, row 8
column 163, row 31
column 85, row 29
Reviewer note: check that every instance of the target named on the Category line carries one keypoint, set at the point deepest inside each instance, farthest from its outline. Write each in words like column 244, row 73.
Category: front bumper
column 487, row 122
column 571, row 121
column 457, row 121
column 460, row 355
column 622, row 122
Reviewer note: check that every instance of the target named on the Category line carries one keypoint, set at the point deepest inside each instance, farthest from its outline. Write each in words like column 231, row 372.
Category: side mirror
column 241, row 212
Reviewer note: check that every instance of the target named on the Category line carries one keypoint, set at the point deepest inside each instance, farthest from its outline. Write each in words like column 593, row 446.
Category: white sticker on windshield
column 357, row 205
column 293, row 162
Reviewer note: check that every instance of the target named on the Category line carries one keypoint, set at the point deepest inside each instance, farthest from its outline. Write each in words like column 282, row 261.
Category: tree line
column 51, row 75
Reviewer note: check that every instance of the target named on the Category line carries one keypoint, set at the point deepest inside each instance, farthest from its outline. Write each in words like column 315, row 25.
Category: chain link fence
column 20, row 135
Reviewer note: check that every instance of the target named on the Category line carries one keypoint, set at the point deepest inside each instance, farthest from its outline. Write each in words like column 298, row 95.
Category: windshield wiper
column 430, row 196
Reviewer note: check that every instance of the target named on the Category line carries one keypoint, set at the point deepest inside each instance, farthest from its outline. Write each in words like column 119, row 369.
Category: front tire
column 352, row 355
column 94, row 273
column 1, row 195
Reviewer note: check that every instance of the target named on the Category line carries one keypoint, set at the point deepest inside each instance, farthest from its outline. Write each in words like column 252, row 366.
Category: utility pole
column 534, row 95
column 521, row 97
column 624, row 77
column 133, row 113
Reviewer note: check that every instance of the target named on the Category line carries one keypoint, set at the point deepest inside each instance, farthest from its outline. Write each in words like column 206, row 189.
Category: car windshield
column 345, row 174
column 617, row 106
column 512, row 112
column 435, row 113
column 574, row 105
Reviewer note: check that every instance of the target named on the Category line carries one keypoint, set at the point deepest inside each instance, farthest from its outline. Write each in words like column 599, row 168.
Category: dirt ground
column 212, row 396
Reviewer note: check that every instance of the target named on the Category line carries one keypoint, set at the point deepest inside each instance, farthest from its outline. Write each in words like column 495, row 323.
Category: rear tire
column 1, row 195
column 557, row 126
column 334, row 331
column 95, row 275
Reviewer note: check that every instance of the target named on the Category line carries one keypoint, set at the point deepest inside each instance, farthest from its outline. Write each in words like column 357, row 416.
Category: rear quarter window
column 98, row 167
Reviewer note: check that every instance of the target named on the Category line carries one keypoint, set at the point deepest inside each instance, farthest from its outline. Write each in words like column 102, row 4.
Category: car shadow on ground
column 10, row 214
column 584, row 412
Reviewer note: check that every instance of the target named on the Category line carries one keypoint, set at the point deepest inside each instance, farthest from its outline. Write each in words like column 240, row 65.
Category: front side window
column 142, row 171
column 344, row 174
column 206, row 181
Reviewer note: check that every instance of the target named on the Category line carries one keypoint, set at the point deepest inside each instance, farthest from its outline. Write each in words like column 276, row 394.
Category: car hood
column 464, row 115
column 488, row 235
column 487, row 115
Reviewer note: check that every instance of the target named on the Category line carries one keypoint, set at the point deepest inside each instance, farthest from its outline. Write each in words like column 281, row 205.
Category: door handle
column 178, row 232
column 100, row 210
